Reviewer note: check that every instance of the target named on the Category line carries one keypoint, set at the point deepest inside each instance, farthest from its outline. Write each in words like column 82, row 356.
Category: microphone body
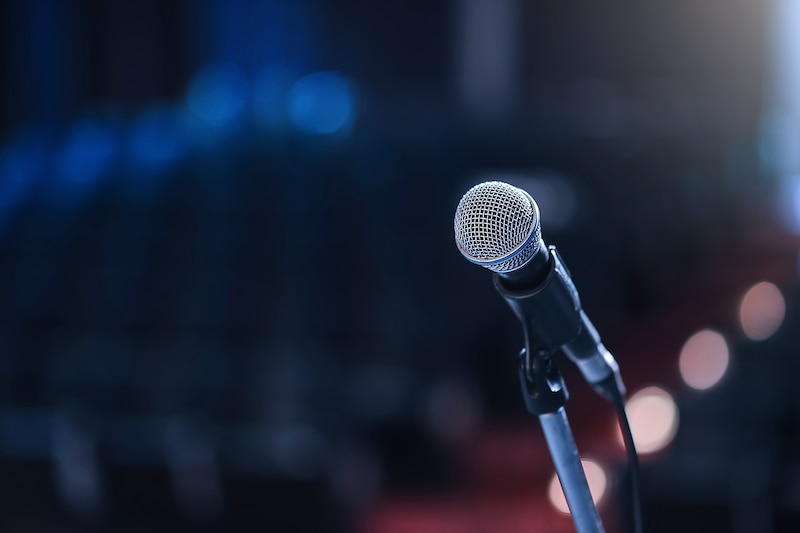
column 497, row 226
column 544, row 298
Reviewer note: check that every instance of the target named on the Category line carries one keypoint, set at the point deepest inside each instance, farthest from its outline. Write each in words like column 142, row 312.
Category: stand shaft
column 570, row 471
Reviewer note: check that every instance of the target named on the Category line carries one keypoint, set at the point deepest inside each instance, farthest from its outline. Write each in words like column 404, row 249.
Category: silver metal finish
column 570, row 472
column 497, row 226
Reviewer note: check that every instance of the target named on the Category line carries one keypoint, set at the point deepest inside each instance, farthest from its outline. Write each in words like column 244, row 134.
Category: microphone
column 497, row 226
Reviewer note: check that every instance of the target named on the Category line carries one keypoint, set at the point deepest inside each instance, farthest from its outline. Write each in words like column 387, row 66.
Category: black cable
column 633, row 462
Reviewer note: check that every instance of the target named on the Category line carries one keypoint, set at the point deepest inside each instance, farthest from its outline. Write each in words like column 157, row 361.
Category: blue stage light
column 218, row 94
column 321, row 102
column 158, row 137
column 15, row 178
column 18, row 172
column 87, row 153
column 22, row 165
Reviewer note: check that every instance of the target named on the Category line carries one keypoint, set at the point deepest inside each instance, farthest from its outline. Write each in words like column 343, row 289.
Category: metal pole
column 570, row 471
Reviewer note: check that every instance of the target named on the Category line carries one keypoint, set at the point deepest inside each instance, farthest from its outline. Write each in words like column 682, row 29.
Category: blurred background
column 230, row 299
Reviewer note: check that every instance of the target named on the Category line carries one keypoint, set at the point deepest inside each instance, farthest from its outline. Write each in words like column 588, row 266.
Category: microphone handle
column 552, row 319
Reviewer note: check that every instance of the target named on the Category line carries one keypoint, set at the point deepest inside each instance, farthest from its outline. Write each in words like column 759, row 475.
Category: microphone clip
column 543, row 387
column 553, row 321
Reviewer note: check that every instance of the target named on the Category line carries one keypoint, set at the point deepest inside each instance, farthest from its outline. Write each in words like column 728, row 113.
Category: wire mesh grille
column 497, row 226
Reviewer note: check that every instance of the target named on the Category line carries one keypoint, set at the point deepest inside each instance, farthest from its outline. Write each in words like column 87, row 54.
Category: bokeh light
column 321, row 102
column 157, row 137
column 761, row 311
column 18, row 172
column 86, row 155
column 595, row 476
column 218, row 94
column 653, row 417
column 704, row 359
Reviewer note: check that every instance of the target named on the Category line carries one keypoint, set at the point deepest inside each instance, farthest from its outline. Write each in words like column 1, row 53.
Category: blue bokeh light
column 158, row 137
column 321, row 102
column 87, row 153
column 19, row 170
column 218, row 94
column 15, row 178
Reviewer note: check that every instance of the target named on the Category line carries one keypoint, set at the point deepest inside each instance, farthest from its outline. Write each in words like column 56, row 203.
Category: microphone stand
column 552, row 318
column 545, row 395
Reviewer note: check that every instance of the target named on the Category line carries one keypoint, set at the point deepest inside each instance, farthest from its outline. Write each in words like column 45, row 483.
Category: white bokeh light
column 762, row 311
column 704, row 359
column 653, row 417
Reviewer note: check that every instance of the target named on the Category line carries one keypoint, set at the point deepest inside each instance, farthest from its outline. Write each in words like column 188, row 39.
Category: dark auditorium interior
column 231, row 299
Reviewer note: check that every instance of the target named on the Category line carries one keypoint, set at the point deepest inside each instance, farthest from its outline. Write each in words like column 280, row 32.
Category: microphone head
column 497, row 226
